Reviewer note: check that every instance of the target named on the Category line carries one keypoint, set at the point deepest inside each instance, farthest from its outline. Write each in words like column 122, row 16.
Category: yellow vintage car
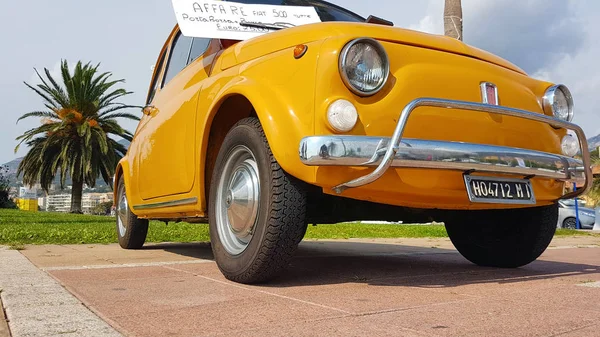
column 348, row 119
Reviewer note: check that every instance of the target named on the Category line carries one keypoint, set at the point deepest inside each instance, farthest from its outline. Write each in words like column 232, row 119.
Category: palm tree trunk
column 76, row 194
column 453, row 19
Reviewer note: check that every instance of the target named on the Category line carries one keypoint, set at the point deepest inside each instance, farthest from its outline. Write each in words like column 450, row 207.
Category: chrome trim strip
column 173, row 203
column 389, row 153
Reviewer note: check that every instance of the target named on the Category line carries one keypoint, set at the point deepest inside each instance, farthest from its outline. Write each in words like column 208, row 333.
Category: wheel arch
column 283, row 127
column 122, row 167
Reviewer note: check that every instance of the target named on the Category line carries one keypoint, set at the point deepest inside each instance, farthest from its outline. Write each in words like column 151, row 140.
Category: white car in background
column 567, row 219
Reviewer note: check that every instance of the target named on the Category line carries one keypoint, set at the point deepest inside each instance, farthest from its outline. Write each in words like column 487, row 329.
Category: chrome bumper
column 340, row 150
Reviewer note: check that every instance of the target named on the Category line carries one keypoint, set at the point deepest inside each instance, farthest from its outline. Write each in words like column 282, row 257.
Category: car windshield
column 326, row 11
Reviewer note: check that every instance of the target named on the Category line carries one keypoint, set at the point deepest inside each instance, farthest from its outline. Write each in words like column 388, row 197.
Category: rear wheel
column 256, row 210
column 503, row 238
column 131, row 231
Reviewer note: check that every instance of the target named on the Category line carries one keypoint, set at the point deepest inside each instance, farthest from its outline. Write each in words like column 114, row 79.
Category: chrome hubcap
column 122, row 208
column 237, row 200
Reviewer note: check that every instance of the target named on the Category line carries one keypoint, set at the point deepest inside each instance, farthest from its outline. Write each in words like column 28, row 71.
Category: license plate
column 499, row 190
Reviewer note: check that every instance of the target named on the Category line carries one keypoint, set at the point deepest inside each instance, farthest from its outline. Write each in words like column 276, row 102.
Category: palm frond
column 120, row 115
column 46, row 114
column 116, row 107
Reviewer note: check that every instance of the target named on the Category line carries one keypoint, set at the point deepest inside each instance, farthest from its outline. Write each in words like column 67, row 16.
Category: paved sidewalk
column 37, row 305
column 391, row 287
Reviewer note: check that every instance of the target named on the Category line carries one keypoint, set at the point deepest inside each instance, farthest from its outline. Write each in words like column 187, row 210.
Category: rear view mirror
column 379, row 21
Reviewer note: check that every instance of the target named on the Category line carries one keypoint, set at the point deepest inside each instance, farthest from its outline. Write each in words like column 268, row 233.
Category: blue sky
column 551, row 39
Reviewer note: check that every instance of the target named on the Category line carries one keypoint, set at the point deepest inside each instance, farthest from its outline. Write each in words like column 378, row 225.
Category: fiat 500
column 348, row 119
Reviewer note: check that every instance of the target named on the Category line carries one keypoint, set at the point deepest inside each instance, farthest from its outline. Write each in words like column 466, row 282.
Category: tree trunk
column 453, row 23
column 76, row 194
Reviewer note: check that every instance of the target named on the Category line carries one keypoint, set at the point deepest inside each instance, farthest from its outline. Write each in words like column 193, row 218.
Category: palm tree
column 74, row 136
column 453, row 19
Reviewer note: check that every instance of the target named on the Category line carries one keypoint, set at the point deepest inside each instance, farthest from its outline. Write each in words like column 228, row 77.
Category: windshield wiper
column 273, row 26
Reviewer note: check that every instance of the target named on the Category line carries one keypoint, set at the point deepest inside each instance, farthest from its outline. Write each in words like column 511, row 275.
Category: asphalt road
column 398, row 287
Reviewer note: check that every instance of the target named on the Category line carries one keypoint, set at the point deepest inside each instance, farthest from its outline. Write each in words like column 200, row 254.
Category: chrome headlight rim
column 549, row 97
column 384, row 57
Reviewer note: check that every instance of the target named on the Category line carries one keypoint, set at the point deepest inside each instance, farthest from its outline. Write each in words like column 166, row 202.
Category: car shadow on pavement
column 325, row 263
column 198, row 250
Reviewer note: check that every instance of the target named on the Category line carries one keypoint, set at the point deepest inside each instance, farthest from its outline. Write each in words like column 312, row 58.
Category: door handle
column 149, row 110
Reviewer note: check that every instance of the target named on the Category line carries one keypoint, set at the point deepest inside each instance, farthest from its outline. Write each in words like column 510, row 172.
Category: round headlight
column 559, row 102
column 364, row 66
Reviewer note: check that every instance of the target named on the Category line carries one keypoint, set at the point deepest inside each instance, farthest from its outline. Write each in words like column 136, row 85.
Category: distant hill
column 594, row 142
column 13, row 165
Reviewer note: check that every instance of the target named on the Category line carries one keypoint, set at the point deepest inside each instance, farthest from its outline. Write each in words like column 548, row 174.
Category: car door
column 167, row 153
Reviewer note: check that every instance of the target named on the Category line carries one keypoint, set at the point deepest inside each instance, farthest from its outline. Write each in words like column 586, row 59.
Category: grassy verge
column 19, row 228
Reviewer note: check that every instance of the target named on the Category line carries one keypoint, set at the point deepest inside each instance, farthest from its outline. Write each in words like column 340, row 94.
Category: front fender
column 281, row 90
column 285, row 115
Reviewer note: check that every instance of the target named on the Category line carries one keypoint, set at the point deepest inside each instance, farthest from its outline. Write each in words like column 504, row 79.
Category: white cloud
column 54, row 72
column 428, row 24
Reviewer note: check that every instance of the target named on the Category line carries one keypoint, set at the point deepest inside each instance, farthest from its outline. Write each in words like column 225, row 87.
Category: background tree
column 5, row 201
column 453, row 19
column 594, row 195
column 74, row 137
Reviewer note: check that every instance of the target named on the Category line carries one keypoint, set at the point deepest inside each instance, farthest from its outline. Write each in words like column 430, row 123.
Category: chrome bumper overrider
column 341, row 150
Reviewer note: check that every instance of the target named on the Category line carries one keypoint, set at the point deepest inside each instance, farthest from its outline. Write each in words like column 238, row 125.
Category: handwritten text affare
column 218, row 19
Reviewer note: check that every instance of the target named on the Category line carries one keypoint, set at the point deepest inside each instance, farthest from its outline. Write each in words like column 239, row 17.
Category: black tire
column 280, row 221
column 503, row 238
column 570, row 223
column 135, row 230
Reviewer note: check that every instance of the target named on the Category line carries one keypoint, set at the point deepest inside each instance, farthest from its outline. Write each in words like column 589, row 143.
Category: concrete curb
column 4, row 332
column 37, row 305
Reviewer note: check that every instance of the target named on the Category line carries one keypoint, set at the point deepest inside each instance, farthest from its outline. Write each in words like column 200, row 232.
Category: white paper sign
column 230, row 20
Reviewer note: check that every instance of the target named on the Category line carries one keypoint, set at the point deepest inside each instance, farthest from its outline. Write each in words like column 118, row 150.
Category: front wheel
column 256, row 210
column 503, row 238
column 570, row 223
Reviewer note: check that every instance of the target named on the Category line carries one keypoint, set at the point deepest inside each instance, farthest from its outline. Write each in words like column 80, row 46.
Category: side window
column 199, row 46
column 180, row 52
column 155, row 80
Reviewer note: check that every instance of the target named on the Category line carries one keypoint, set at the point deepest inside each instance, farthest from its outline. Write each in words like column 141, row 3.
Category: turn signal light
column 300, row 50
column 342, row 115
column 570, row 146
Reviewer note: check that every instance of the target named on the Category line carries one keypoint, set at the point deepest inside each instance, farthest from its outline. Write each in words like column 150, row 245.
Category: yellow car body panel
column 167, row 159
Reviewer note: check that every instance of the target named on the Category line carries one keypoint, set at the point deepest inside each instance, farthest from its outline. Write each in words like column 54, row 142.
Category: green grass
column 18, row 228
column 357, row 230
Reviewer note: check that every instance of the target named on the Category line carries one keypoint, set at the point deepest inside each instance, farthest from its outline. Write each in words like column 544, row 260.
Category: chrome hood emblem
column 489, row 93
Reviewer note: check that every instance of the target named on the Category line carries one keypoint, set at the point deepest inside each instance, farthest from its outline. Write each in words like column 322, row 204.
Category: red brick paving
column 337, row 289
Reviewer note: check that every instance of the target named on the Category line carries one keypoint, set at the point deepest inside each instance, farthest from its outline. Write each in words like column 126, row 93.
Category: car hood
column 583, row 209
column 286, row 38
